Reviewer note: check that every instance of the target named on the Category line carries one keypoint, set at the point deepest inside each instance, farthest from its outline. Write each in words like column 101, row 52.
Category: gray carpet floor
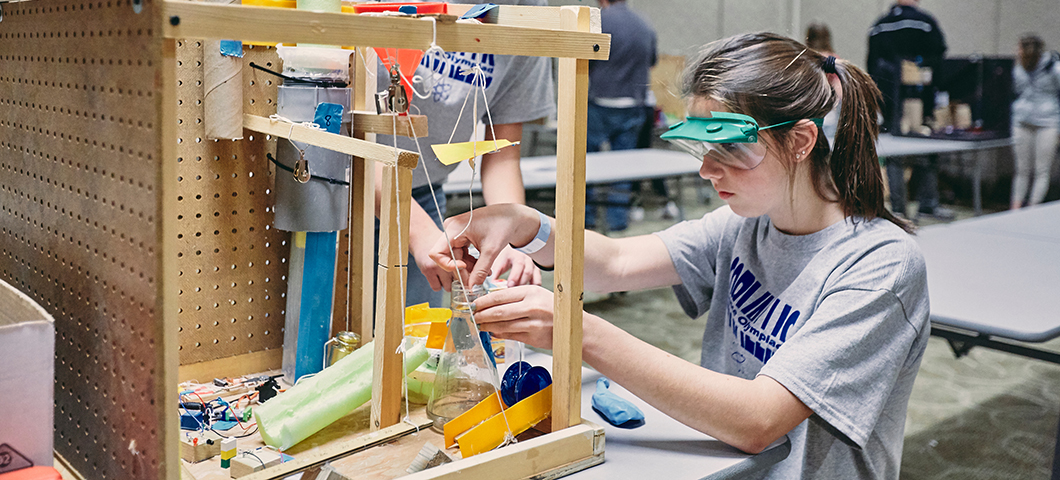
column 987, row 415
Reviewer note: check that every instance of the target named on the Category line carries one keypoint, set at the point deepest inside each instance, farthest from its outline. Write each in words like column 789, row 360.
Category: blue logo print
column 759, row 323
column 451, row 74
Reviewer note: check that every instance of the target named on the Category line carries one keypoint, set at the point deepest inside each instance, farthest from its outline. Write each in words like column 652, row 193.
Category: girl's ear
column 804, row 137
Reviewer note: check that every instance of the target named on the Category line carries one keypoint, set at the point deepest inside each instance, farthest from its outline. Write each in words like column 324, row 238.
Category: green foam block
column 318, row 401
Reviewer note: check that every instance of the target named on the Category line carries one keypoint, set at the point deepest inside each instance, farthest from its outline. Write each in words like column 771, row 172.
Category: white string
column 433, row 50
column 509, row 437
column 290, row 133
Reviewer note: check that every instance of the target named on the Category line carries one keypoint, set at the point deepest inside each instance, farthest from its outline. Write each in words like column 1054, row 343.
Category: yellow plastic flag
column 450, row 153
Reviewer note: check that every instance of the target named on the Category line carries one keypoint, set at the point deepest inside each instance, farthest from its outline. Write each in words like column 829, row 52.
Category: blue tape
column 328, row 116
column 232, row 48
column 318, row 286
column 479, row 10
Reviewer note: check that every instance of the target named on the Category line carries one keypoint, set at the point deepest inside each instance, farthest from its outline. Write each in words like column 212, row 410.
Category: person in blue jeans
column 618, row 99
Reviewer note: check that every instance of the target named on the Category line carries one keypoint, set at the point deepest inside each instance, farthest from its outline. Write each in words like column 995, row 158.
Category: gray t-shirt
column 518, row 89
column 839, row 317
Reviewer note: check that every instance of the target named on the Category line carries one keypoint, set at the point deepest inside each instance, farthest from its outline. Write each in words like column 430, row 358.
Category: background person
column 816, row 295
column 906, row 32
column 819, row 38
column 1035, row 118
column 518, row 89
column 619, row 99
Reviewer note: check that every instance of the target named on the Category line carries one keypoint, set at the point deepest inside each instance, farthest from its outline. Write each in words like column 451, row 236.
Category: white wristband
column 541, row 239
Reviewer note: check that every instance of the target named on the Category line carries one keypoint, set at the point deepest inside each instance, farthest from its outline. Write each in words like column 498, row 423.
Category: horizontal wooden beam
column 339, row 143
column 235, row 366
column 527, row 16
column 336, row 450
column 182, row 19
column 548, row 456
column 385, row 124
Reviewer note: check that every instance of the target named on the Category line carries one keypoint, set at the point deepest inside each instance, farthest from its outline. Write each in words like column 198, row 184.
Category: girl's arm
column 610, row 264
column 747, row 414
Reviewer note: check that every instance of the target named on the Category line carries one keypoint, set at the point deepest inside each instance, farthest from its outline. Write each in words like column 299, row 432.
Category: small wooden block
column 246, row 463
column 208, row 445
column 325, row 472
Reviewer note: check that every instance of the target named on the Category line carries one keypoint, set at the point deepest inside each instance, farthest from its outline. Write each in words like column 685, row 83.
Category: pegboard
column 231, row 262
column 80, row 230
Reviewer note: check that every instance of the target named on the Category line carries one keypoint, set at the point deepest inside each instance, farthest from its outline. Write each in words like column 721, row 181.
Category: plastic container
column 316, row 63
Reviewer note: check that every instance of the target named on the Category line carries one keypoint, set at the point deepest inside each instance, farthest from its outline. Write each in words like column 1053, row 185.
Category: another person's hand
column 520, row 267
column 420, row 247
column 489, row 229
column 522, row 313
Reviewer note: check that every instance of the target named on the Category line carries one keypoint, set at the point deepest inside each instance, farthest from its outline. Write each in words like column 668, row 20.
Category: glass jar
column 466, row 375
column 344, row 343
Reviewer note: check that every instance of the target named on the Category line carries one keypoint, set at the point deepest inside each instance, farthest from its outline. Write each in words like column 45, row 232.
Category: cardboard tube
column 222, row 90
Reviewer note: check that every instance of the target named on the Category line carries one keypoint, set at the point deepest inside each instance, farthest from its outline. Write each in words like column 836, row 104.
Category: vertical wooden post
column 573, row 97
column 393, row 271
column 167, row 301
column 361, row 229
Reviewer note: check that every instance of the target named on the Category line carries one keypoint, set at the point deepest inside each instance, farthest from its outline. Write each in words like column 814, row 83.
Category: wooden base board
column 549, row 456
column 235, row 366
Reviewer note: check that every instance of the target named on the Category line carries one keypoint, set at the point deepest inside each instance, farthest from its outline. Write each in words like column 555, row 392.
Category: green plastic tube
column 318, row 401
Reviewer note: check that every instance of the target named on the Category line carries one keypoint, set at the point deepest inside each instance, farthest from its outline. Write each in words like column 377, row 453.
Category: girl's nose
column 710, row 169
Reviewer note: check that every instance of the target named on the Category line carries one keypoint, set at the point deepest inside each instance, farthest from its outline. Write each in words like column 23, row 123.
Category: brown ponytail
column 775, row 79
column 854, row 164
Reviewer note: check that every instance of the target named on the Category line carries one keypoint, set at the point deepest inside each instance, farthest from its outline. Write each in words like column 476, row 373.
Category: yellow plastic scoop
column 519, row 418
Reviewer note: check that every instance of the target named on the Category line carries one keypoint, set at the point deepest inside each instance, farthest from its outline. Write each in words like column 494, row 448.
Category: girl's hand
column 520, row 267
column 522, row 313
column 420, row 248
column 489, row 229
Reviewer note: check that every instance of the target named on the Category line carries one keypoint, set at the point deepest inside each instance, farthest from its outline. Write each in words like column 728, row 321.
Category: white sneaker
column 670, row 211
column 636, row 214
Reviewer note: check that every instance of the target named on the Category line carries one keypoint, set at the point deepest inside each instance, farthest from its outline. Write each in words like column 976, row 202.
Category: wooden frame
column 127, row 310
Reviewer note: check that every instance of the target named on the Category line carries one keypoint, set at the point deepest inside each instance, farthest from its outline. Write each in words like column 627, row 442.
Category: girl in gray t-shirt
column 815, row 294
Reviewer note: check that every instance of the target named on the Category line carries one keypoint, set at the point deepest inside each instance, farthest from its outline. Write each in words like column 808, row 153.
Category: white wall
column 971, row 26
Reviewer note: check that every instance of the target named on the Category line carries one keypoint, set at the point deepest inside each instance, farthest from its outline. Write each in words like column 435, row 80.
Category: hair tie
column 829, row 64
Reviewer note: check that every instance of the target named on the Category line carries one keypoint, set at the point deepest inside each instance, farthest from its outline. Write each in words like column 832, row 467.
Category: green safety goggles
column 727, row 138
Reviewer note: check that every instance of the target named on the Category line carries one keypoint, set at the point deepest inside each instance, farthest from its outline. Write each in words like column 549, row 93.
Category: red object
column 32, row 473
column 425, row 7
column 407, row 59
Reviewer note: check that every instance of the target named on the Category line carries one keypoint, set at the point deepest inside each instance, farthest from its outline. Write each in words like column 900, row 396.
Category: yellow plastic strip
column 476, row 415
column 436, row 337
column 450, row 153
column 523, row 415
column 420, row 319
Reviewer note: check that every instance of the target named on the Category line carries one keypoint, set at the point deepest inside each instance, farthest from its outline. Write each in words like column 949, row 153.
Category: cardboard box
column 27, row 358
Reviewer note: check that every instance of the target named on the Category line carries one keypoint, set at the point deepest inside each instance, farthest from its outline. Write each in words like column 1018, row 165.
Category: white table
column 601, row 168
column 997, row 275
column 996, row 278
column 892, row 146
column 662, row 446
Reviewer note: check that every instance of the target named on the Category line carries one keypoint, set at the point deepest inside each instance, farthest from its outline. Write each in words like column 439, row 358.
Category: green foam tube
column 320, row 400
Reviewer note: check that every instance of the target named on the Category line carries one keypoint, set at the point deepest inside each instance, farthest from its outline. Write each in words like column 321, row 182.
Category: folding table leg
column 1056, row 455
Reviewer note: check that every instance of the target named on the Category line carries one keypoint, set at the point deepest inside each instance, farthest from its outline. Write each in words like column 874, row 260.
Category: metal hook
column 138, row 6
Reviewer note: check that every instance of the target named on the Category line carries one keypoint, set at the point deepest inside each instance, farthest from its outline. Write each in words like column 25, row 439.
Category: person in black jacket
column 906, row 32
